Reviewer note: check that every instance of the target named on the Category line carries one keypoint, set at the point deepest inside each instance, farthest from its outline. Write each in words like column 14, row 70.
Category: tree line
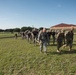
column 22, row 29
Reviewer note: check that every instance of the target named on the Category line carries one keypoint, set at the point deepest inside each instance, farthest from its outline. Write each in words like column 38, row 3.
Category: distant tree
column 26, row 28
column 9, row 30
column 23, row 29
column 17, row 30
column 40, row 28
column 1, row 30
column 29, row 28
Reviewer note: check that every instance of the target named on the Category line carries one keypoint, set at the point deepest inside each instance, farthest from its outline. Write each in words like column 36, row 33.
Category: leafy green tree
column 1, row 30
column 9, row 30
column 23, row 29
column 26, row 28
column 40, row 28
column 17, row 30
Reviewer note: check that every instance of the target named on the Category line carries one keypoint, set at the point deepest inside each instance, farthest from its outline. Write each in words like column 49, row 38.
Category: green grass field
column 6, row 34
column 18, row 57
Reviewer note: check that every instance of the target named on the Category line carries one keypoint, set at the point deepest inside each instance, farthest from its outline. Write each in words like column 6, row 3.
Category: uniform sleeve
column 39, row 36
column 57, row 35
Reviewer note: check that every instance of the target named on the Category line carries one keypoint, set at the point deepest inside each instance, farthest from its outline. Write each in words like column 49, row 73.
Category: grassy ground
column 7, row 35
column 18, row 57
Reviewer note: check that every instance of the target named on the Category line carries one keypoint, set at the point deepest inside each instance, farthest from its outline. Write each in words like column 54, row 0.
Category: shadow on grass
column 74, row 44
column 53, row 53
column 73, row 51
column 52, row 45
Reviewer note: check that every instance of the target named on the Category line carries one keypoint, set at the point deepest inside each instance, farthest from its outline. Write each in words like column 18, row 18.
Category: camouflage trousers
column 69, row 42
column 43, row 46
column 59, row 44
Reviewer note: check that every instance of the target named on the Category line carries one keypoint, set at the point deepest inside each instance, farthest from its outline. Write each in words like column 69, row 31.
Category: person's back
column 35, row 35
column 35, row 32
column 60, row 36
column 49, row 33
column 29, row 36
column 53, row 36
column 29, row 33
column 60, row 40
column 69, row 35
column 69, row 39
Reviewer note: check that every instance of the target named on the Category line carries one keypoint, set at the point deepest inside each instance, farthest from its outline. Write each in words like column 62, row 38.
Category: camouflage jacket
column 43, row 37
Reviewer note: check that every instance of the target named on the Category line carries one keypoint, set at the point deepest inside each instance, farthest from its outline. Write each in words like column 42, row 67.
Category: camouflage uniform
column 69, row 38
column 60, row 40
column 43, row 38
column 53, row 36
column 23, row 35
column 35, row 35
column 29, row 36
column 49, row 33
column 16, row 35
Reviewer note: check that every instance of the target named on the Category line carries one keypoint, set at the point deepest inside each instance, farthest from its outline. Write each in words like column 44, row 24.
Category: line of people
column 43, row 37
column 33, row 35
column 63, row 38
